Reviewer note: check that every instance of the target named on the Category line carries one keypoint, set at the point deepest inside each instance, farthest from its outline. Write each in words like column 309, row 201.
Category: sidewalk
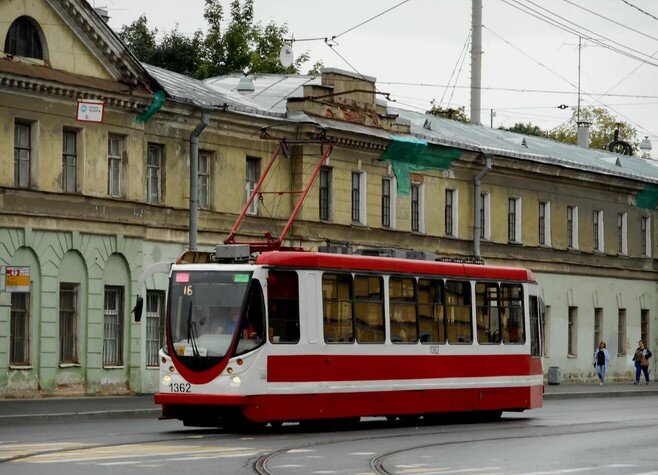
column 116, row 407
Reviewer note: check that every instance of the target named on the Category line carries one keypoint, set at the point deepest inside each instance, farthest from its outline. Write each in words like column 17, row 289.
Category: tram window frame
column 403, row 310
column 535, row 325
column 509, row 310
column 369, row 309
column 487, row 313
column 283, row 307
column 344, row 307
column 437, row 333
column 460, row 292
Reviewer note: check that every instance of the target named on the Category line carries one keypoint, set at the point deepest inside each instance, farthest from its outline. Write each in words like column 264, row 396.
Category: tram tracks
column 379, row 463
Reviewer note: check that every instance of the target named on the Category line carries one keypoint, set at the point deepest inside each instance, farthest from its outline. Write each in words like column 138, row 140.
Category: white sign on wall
column 90, row 111
column 17, row 279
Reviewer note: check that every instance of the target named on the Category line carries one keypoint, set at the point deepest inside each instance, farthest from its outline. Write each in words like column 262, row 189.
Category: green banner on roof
column 647, row 198
column 409, row 154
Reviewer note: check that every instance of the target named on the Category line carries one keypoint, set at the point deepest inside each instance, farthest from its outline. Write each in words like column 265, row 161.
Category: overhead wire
column 611, row 20
column 639, row 9
column 468, row 36
column 457, row 77
column 529, row 11
column 569, row 82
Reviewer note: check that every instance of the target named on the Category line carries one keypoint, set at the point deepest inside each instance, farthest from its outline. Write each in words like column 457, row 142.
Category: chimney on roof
column 102, row 11
column 583, row 134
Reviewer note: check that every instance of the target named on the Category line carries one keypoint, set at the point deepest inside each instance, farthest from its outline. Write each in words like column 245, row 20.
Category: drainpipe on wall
column 488, row 160
column 194, row 175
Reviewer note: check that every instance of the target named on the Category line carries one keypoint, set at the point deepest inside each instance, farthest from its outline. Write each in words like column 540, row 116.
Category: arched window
column 23, row 39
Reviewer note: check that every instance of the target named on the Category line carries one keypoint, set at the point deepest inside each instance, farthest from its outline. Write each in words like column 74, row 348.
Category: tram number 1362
column 180, row 387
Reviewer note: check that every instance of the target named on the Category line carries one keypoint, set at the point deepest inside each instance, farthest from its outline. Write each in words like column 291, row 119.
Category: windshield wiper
column 191, row 332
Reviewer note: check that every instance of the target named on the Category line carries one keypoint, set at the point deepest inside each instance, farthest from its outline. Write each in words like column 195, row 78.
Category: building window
column 544, row 223
column 485, row 215
column 598, row 326
column 68, row 323
column 252, row 176
column 644, row 326
column 22, row 153
column 597, row 229
column 387, row 204
column 572, row 227
column 325, row 194
column 69, row 160
column 23, row 39
column 622, row 242
column 154, row 173
column 358, row 198
column 113, row 326
column 203, row 183
column 645, row 236
column 621, row 332
column 417, row 208
column 114, row 154
column 154, row 325
column 19, row 330
column 572, row 343
column 514, row 219
column 450, row 217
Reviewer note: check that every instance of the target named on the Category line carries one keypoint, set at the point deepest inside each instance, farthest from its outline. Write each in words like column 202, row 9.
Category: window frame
column 203, row 179
column 155, row 326
column 621, row 332
column 514, row 219
column 358, row 197
column 645, row 236
column 572, row 227
column 544, row 225
column 34, row 46
column 115, row 164
column 22, row 161
column 70, row 160
column 572, row 331
column 417, row 207
column 598, row 243
column 20, row 352
column 622, row 233
column 450, row 214
column 324, row 192
column 69, row 323
column 485, row 216
column 154, row 173
column 389, row 212
column 252, row 176
column 113, row 344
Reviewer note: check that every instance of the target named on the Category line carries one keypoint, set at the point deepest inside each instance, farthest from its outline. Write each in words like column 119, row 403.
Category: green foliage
column 601, row 132
column 449, row 113
column 526, row 129
column 316, row 68
column 228, row 46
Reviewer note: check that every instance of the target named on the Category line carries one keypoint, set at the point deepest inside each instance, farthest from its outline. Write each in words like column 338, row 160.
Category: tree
column 526, row 129
column 601, row 132
column 139, row 39
column 234, row 45
column 448, row 112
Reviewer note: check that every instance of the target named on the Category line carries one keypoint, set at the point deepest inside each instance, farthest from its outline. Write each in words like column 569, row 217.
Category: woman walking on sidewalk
column 601, row 360
column 641, row 359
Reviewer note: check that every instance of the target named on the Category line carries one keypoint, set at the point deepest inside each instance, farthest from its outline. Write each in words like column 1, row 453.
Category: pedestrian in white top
column 601, row 360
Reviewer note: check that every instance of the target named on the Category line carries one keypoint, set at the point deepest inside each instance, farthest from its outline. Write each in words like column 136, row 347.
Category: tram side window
column 252, row 324
column 337, row 308
column 283, row 306
column 458, row 311
column 369, row 309
column 487, row 315
column 431, row 321
column 511, row 316
column 402, row 308
column 535, row 346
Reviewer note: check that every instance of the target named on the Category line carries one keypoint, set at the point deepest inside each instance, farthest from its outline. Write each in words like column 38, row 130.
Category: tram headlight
column 166, row 379
column 236, row 382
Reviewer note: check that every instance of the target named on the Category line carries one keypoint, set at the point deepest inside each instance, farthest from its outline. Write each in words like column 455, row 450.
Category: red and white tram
column 297, row 336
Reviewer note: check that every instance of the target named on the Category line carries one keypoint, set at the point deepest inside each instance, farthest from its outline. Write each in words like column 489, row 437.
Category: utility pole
column 476, row 60
column 580, row 43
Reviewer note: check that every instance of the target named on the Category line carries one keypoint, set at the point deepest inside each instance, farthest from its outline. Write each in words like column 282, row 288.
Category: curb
column 90, row 415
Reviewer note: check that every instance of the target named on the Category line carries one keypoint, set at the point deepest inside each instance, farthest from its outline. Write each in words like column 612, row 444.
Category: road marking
column 140, row 451
column 20, row 450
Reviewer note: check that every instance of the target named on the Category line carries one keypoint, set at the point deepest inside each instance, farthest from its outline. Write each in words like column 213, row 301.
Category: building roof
column 271, row 91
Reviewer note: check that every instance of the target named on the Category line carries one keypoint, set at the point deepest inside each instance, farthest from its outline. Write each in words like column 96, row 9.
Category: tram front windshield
column 204, row 313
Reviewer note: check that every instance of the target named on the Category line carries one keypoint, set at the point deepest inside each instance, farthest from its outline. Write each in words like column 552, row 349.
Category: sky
column 529, row 67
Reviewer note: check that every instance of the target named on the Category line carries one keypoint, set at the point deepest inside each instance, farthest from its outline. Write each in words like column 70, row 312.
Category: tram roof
column 320, row 260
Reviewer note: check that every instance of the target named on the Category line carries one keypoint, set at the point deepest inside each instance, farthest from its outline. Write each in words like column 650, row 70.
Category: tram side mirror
column 137, row 310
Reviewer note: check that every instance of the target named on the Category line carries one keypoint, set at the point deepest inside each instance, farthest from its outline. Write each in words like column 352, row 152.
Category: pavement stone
column 115, row 407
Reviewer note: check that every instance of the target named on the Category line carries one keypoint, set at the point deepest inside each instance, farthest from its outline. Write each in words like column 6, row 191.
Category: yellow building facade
column 86, row 206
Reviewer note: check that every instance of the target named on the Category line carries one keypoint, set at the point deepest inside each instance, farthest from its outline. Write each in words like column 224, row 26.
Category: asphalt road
column 597, row 435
